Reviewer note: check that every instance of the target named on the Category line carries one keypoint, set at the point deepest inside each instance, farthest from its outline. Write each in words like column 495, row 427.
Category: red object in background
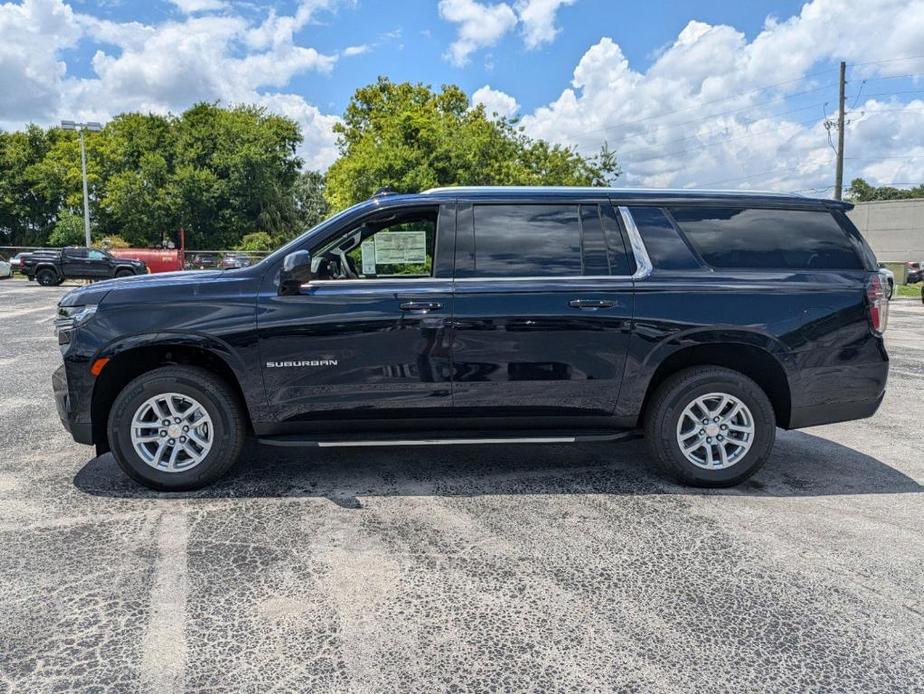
column 157, row 260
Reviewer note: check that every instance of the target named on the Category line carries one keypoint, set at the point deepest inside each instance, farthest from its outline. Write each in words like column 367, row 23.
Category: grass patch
column 912, row 290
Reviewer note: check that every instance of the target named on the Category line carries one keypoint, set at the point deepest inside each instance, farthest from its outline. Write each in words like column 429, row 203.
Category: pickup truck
column 51, row 267
column 702, row 321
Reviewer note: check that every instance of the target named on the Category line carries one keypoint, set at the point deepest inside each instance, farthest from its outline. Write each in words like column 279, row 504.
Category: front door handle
column 423, row 306
column 591, row 303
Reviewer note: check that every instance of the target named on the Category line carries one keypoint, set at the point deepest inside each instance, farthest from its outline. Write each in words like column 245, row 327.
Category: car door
column 75, row 263
column 367, row 337
column 542, row 311
column 99, row 265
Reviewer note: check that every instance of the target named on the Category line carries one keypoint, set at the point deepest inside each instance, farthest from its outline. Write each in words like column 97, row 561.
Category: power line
column 888, row 60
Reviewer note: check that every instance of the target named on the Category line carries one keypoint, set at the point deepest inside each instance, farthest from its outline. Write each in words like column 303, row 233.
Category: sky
column 704, row 93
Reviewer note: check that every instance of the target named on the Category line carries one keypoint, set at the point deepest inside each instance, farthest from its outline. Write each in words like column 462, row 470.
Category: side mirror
column 296, row 271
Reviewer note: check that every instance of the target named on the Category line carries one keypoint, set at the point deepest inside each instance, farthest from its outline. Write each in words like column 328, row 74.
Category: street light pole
column 92, row 126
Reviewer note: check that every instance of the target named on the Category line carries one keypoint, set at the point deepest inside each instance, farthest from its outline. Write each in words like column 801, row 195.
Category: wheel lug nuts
column 177, row 420
column 166, row 422
column 163, row 433
column 720, row 438
column 724, row 427
column 705, row 421
column 172, row 441
column 182, row 439
column 716, row 419
column 708, row 439
column 702, row 431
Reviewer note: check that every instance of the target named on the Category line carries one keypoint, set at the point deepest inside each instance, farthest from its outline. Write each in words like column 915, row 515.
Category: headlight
column 70, row 317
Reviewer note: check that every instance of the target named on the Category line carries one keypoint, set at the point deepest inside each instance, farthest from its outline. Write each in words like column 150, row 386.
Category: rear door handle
column 590, row 303
column 423, row 306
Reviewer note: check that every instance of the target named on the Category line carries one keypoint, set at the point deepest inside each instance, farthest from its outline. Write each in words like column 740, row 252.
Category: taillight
column 877, row 296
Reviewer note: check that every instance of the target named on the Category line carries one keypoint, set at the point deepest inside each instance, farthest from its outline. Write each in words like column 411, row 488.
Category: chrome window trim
column 643, row 268
column 643, row 265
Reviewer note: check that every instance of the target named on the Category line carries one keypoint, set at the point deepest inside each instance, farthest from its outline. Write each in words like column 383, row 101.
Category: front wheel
column 47, row 278
column 124, row 273
column 176, row 428
column 710, row 426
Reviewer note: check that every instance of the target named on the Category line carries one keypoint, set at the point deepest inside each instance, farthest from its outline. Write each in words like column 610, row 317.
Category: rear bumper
column 82, row 432
column 835, row 394
column 833, row 412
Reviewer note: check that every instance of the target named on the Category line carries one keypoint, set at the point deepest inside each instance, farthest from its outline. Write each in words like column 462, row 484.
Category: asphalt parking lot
column 473, row 568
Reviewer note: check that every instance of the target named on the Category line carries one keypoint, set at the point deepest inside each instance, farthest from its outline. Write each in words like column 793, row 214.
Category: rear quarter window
column 665, row 248
column 753, row 238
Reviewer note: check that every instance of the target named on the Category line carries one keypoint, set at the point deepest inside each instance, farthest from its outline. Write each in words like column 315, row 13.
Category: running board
column 455, row 439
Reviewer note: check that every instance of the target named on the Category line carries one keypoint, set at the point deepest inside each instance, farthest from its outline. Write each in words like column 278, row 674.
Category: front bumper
column 82, row 432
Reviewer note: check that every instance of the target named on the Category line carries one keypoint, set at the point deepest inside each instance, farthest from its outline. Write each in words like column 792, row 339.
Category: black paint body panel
column 492, row 352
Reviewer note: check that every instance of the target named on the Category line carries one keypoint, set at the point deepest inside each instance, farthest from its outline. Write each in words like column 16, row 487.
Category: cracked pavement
column 515, row 568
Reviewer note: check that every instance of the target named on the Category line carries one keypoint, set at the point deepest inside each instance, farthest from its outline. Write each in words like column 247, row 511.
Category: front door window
column 392, row 246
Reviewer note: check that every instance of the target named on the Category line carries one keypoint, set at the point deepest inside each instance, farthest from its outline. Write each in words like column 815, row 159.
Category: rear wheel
column 47, row 278
column 176, row 428
column 710, row 426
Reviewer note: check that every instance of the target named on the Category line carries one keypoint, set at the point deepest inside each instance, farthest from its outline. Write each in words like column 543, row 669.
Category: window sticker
column 368, row 256
column 399, row 248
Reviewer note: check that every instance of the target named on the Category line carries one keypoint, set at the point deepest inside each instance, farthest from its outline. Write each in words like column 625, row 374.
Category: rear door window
column 527, row 241
column 753, row 238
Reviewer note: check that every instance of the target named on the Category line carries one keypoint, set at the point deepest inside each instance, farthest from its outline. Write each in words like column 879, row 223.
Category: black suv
column 492, row 315
column 52, row 266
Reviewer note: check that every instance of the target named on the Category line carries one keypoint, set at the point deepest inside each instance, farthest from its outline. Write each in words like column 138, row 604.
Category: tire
column 124, row 273
column 47, row 277
column 227, row 427
column 891, row 290
column 667, row 414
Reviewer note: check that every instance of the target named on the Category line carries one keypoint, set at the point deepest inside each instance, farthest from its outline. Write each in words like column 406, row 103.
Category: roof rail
column 384, row 190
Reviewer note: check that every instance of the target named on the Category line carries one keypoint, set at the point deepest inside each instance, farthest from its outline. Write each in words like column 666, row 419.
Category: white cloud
column 480, row 25
column 495, row 101
column 699, row 116
column 538, row 18
column 158, row 68
column 350, row 51
column 31, row 35
column 193, row 6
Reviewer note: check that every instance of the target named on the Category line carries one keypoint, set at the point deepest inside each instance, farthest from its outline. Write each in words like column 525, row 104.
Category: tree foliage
column 230, row 177
column 217, row 172
column 68, row 231
column 861, row 191
column 409, row 137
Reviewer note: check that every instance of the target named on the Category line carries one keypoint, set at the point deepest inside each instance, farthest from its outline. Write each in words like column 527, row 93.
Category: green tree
column 68, row 231
column 218, row 172
column 861, row 191
column 29, row 202
column 310, row 204
column 410, row 137
column 256, row 241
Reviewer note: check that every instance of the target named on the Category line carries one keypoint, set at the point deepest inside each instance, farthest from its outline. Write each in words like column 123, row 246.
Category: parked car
column 202, row 261
column 16, row 260
column 889, row 277
column 492, row 316
column 52, row 267
column 6, row 270
column 233, row 261
column 915, row 272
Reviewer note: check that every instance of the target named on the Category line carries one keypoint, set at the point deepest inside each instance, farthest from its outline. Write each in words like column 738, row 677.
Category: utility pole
column 839, row 173
column 92, row 126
